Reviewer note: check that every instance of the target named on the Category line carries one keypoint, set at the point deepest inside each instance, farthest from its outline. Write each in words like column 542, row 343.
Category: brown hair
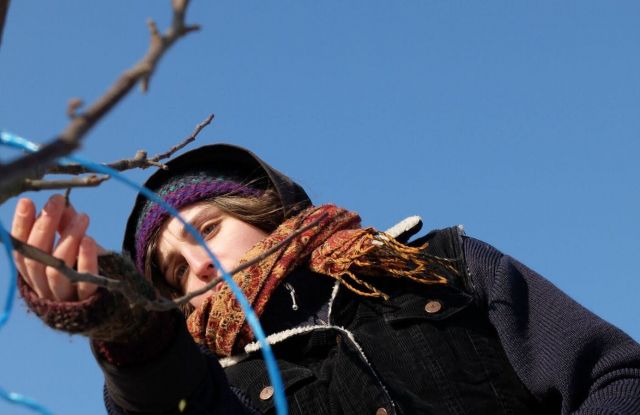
column 264, row 212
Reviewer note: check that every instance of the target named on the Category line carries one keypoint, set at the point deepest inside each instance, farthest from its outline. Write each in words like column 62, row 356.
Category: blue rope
column 16, row 398
column 13, row 276
column 18, row 142
column 13, row 397
column 252, row 319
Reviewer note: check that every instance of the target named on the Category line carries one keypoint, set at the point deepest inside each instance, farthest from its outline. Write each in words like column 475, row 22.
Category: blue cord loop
column 13, row 276
column 270, row 362
column 12, row 140
column 13, row 397
column 18, row 399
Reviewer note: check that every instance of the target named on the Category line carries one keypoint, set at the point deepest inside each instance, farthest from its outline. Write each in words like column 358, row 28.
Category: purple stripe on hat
column 180, row 198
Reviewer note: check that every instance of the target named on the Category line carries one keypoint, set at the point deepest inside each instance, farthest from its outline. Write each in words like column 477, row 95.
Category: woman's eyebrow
column 165, row 260
column 197, row 221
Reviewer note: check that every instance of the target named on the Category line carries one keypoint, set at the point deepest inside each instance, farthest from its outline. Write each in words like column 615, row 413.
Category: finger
column 70, row 238
column 42, row 236
column 45, row 227
column 68, row 214
column 101, row 250
column 87, row 262
column 67, row 250
column 23, row 219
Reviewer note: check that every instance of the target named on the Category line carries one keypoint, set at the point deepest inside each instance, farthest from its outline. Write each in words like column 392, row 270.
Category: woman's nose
column 201, row 265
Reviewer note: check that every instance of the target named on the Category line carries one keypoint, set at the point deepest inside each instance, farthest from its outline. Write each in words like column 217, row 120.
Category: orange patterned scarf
column 335, row 246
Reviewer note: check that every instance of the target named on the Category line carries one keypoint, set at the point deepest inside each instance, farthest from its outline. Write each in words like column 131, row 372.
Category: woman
column 359, row 322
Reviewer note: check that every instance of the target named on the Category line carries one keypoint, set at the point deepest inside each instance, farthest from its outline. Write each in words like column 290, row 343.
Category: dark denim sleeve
column 182, row 380
column 568, row 357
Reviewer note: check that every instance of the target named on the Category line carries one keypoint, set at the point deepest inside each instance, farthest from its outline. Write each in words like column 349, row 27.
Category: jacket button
column 433, row 306
column 266, row 393
column 382, row 411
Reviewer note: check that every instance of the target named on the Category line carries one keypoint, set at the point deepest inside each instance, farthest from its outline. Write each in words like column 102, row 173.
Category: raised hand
column 73, row 247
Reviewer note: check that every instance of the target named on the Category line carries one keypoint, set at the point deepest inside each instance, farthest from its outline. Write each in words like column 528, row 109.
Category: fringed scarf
column 335, row 245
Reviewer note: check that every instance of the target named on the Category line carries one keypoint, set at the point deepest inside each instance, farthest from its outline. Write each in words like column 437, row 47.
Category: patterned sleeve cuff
column 70, row 316
column 122, row 334
column 92, row 316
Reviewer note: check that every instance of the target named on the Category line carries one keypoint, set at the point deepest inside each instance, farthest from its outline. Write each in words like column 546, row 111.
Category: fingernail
column 87, row 243
column 76, row 221
column 54, row 202
column 23, row 206
column 81, row 219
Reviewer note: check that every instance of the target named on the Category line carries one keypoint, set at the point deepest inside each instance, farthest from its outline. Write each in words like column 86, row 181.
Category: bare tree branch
column 73, row 106
column 87, row 181
column 39, row 255
column 4, row 9
column 140, row 160
column 128, row 289
column 186, row 141
column 33, row 165
column 29, row 184
column 67, row 199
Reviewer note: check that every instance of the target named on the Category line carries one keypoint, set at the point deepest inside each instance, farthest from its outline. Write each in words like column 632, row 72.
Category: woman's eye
column 179, row 273
column 208, row 229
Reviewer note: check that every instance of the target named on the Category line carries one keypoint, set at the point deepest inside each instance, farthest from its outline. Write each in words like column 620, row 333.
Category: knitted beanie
column 200, row 174
column 179, row 191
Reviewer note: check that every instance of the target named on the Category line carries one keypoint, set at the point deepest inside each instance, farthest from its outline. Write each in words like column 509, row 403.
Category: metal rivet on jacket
column 433, row 306
column 266, row 393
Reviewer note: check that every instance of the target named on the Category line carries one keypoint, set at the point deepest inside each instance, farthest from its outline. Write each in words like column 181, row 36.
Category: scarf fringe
column 381, row 255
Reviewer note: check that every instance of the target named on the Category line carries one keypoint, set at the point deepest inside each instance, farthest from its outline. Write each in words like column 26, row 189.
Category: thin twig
column 70, row 138
column 4, row 9
column 87, row 181
column 67, row 195
column 184, row 142
column 127, row 289
column 140, row 160
column 73, row 106
column 135, row 297
column 44, row 258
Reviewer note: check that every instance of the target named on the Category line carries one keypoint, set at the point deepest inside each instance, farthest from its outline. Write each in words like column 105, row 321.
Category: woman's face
column 186, row 265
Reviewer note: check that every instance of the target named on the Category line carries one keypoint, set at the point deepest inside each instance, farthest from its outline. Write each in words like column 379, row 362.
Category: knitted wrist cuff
column 89, row 315
column 70, row 316
column 103, row 316
column 121, row 334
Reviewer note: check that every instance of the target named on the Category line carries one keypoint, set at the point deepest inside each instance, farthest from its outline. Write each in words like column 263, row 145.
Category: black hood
column 229, row 160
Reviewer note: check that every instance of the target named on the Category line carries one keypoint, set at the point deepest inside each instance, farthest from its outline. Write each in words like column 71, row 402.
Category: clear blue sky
column 519, row 120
